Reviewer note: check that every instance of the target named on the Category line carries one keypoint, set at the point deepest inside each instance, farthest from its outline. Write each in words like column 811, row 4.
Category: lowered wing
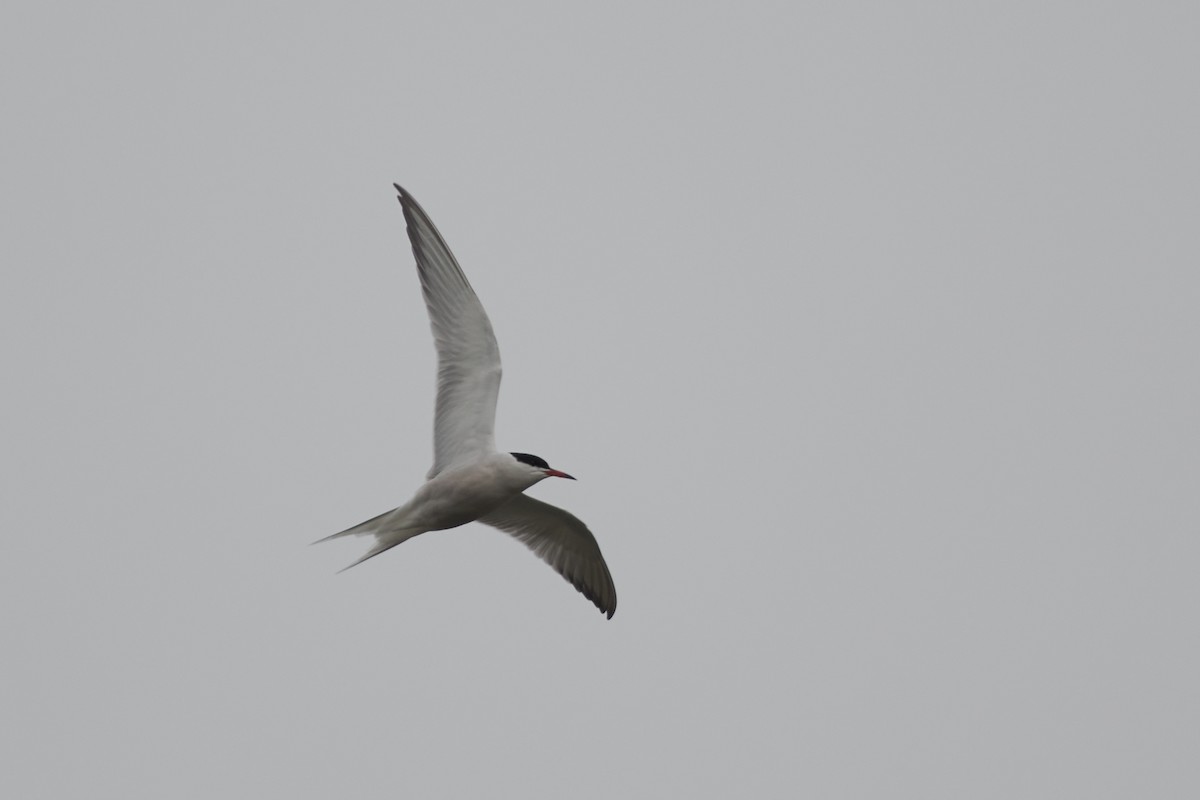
column 561, row 540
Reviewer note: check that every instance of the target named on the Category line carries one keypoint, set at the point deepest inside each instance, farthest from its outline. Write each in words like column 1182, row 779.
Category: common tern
column 470, row 480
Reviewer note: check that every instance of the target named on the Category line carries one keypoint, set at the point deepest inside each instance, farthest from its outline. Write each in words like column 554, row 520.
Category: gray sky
column 869, row 329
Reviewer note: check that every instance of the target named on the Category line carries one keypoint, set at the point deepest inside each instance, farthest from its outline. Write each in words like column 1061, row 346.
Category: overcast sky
column 870, row 330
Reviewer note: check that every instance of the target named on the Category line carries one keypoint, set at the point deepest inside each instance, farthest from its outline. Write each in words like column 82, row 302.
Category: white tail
column 384, row 528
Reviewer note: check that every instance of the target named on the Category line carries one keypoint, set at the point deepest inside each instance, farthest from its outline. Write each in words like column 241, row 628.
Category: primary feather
column 468, row 379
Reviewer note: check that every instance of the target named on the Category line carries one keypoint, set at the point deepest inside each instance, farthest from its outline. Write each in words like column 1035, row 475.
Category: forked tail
column 385, row 528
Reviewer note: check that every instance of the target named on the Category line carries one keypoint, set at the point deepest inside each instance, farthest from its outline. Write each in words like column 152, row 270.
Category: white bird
column 471, row 481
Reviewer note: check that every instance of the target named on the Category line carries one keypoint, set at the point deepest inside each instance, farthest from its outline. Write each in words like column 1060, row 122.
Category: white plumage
column 470, row 480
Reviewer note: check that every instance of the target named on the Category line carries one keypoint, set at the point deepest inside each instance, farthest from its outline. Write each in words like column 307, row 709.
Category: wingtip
column 605, row 609
column 608, row 612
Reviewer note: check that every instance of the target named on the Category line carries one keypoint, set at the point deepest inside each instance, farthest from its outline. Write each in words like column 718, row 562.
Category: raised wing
column 468, row 379
column 561, row 540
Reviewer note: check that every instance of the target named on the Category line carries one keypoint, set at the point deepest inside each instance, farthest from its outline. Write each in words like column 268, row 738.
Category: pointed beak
column 553, row 473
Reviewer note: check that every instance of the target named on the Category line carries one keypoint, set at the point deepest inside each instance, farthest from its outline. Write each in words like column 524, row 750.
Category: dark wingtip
column 599, row 603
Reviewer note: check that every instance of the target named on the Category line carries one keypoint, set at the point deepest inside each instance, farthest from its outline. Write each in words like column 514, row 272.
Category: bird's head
column 538, row 468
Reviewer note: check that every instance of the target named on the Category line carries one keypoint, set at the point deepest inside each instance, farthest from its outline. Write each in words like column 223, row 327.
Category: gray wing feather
column 468, row 379
column 561, row 540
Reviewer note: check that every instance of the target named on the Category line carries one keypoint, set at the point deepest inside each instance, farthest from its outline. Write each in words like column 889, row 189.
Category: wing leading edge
column 468, row 379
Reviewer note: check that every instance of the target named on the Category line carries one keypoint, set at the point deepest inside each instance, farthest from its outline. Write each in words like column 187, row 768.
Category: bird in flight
column 470, row 480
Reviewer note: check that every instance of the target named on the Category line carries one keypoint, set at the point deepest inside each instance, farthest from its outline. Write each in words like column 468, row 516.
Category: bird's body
column 464, row 494
column 470, row 480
